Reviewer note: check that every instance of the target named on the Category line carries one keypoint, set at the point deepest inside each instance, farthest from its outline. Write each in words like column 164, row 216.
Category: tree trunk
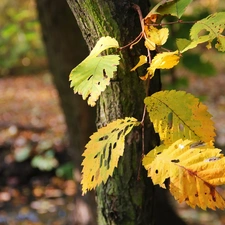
column 66, row 48
column 124, row 199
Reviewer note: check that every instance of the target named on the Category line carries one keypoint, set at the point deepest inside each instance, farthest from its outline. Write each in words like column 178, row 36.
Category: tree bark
column 66, row 48
column 125, row 198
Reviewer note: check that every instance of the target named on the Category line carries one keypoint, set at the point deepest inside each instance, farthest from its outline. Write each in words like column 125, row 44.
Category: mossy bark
column 127, row 198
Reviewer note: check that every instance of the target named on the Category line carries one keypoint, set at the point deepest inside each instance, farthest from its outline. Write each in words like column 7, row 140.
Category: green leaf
column 93, row 74
column 190, row 118
column 184, row 45
column 174, row 8
column 210, row 27
column 103, row 151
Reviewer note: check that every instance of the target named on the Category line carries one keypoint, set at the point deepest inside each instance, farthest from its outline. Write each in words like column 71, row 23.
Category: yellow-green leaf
column 103, row 151
column 194, row 170
column 185, row 44
column 177, row 114
column 220, row 45
column 103, row 44
column 211, row 27
column 93, row 74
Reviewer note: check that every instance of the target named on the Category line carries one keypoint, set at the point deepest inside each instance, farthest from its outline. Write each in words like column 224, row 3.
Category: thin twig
column 134, row 42
column 173, row 22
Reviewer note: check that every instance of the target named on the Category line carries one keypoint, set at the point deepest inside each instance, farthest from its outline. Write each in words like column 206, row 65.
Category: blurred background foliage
column 21, row 48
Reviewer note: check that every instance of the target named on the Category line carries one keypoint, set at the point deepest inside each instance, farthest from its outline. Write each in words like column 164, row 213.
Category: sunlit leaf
column 155, row 37
column 103, row 44
column 165, row 60
column 93, row 74
column 184, row 45
column 103, row 151
column 194, row 170
column 220, row 45
column 210, row 28
column 177, row 114
column 142, row 61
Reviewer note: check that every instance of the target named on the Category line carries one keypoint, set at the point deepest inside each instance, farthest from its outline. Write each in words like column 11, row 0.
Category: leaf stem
column 134, row 42
column 173, row 22
column 137, row 8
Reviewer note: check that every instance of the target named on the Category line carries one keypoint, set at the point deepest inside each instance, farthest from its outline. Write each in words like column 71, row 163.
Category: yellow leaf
column 177, row 114
column 103, row 151
column 150, row 44
column 156, row 36
column 194, row 169
column 165, row 60
column 142, row 61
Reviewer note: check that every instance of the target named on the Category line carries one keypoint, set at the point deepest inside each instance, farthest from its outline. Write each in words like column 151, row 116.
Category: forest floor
column 31, row 123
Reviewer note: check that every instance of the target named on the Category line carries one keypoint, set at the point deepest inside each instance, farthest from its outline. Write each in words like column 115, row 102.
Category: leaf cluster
column 186, row 156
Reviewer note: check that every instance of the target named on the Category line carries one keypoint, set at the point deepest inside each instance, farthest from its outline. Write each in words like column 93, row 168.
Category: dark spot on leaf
column 170, row 120
column 101, row 159
column 175, row 160
column 104, row 151
column 197, row 144
column 119, row 134
column 125, row 129
column 90, row 77
column 109, row 158
column 116, row 129
column 156, row 171
column 99, row 83
column 92, row 178
column 114, row 145
column 181, row 127
column 196, row 195
column 103, row 138
column 96, row 155
column 104, row 74
column 158, row 153
column 110, row 147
